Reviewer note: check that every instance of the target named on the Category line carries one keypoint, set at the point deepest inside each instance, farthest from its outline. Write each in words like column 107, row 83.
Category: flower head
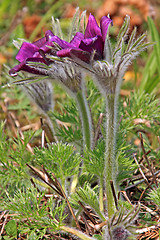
column 36, row 53
column 31, row 52
column 37, row 59
column 109, row 64
column 91, row 42
column 91, row 50
column 82, row 45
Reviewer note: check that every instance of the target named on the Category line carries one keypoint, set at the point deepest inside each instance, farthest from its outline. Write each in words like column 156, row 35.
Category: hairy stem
column 101, row 194
column 86, row 120
column 110, row 161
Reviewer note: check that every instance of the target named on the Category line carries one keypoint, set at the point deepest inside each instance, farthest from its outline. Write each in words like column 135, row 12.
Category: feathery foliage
column 27, row 204
column 94, row 159
column 13, row 163
column 61, row 159
column 154, row 196
column 89, row 196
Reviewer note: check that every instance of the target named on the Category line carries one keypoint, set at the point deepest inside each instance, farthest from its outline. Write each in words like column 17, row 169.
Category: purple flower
column 83, row 45
column 35, row 52
column 30, row 52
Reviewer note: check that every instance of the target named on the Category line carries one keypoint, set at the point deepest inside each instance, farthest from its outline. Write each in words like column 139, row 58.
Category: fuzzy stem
column 85, row 119
column 101, row 206
column 110, row 162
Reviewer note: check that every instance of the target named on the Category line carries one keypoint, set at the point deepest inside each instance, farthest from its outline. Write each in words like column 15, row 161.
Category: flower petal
column 73, row 52
column 24, row 67
column 41, row 42
column 27, row 50
column 104, row 24
column 46, row 48
column 63, row 44
column 64, row 52
column 93, row 44
column 77, row 39
column 80, row 54
column 92, row 29
column 14, row 70
column 48, row 35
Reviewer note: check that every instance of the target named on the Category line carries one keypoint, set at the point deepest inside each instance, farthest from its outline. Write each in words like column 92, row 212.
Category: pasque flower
column 38, row 58
column 32, row 52
column 36, row 53
column 91, row 42
column 107, row 66
column 82, row 45
column 66, row 62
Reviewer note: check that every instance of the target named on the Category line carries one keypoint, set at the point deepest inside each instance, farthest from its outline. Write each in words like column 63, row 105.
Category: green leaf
column 123, row 31
column 6, row 238
column 94, row 159
column 60, row 159
column 98, row 237
column 152, row 84
column 131, row 39
column 90, row 197
column 149, row 71
column 11, row 228
column 156, row 39
column 68, row 114
column 149, row 81
column 137, row 43
column 154, row 196
column 33, row 236
column 82, row 22
column 58, row 29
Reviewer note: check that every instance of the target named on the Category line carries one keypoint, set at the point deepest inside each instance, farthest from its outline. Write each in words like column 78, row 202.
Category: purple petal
column 24, row 67
column 77, row 39
column 93, row 44
column 82, row 55
column 27, row 50
column 64, row 52
column 92, row 29
column 39, row 43
column 48, row 35
column 17, row 68
column 104, row 23
column 63, row 44
column 46, row 48
column 73, row 52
